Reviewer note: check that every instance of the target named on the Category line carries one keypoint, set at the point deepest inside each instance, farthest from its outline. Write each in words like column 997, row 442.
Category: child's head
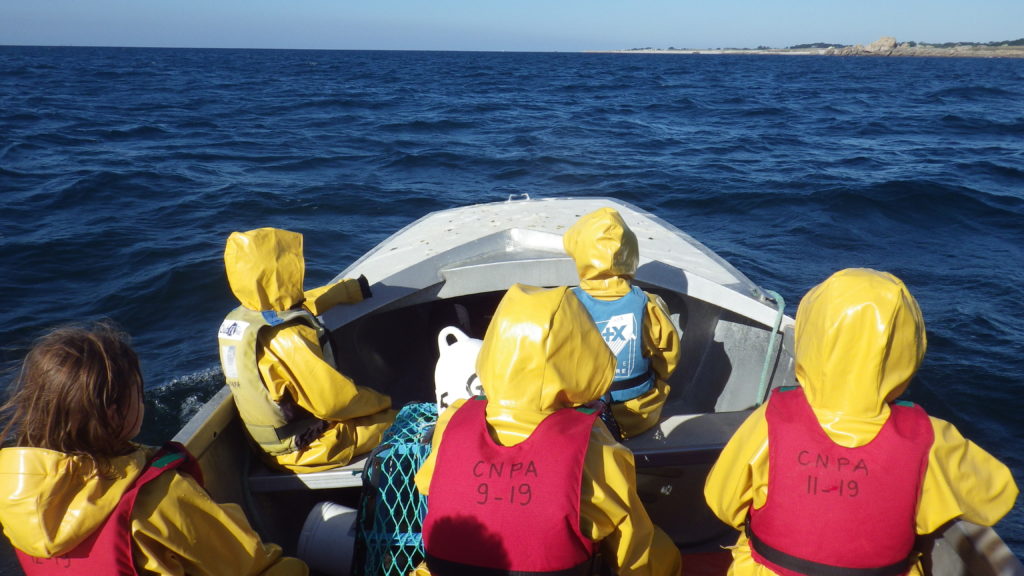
column 859, row 339
column 79, row 391
column 542, row 352
column 265, row 268
column 605, row 251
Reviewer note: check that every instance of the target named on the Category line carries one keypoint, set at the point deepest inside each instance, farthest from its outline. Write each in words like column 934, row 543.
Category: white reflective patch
column 619, row 331
column 232, row 329
column 227, row 362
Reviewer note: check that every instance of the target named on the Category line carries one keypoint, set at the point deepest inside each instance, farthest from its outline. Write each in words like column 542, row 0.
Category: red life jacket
column 496, row 510
column 839, row 511
column 108, row 550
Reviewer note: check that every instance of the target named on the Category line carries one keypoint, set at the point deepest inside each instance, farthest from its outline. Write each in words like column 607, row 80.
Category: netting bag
column 388, row 534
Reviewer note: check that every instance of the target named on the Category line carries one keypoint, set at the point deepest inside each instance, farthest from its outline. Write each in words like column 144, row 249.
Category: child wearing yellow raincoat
column 303, row 413
column 78, row 497
column 541, row 358
column 836, row 471
column 634, row 324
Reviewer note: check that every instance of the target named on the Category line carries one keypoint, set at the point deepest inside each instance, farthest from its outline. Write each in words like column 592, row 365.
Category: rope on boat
column 762, row 389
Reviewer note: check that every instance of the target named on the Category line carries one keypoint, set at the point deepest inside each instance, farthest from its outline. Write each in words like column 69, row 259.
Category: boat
column 451, row 267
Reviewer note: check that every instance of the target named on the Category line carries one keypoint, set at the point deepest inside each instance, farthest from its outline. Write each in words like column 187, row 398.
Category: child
column 836, row 474
column 78, row 497
column 635, row 325
column 522, row 481
column 304, row 414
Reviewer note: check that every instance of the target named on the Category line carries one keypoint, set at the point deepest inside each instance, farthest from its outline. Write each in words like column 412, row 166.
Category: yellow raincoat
column 859, row 339
column 266, row 269
column 53, row 501
column 606, row 254
column 542, row 353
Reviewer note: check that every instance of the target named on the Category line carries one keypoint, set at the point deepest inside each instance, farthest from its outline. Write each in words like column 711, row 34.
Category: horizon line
column 581, row 50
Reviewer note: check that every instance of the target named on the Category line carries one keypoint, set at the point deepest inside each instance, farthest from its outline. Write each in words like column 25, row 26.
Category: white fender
column 455, row 372
column 328, row 538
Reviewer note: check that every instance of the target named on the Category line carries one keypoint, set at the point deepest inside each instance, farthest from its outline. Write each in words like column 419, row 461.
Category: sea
column 123, row 171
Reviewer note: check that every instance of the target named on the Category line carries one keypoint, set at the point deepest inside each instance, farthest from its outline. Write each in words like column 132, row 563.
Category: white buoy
column 328, row 539
column 455, row 372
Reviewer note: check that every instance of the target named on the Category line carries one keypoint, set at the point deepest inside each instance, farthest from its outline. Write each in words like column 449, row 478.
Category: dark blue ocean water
column 122, row 171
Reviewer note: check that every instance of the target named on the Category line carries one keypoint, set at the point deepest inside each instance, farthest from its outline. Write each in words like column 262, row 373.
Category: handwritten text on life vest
column 821, row 479
column 506, row 482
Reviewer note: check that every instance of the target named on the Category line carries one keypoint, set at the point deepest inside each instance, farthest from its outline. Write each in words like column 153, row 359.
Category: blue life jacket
column 621, row 322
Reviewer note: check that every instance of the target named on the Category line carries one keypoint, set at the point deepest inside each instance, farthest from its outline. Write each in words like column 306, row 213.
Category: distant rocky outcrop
column 885, row 46
column 888, row 46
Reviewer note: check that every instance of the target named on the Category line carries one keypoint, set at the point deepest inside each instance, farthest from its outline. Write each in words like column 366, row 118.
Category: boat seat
column 686, row 439
column 263, row 479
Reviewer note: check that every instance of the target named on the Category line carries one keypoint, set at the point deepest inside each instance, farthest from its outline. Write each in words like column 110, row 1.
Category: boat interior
column 714, row 388
column 395, row 350
column 722, row 376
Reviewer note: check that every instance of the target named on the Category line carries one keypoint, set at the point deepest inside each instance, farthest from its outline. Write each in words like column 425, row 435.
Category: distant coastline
column 886, row 46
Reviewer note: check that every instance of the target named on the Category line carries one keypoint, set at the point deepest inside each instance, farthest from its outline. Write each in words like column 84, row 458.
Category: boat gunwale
column 435, row 265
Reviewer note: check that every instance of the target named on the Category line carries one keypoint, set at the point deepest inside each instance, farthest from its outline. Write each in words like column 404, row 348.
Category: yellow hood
column 859, row 339
column 265, row 268
column 605, row 251
column 541, row 353
column 52, row 501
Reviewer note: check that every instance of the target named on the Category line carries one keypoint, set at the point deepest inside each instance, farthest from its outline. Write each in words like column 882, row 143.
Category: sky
column 509, row 25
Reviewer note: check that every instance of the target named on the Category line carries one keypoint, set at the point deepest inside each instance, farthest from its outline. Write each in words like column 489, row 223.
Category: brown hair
column 70, row 383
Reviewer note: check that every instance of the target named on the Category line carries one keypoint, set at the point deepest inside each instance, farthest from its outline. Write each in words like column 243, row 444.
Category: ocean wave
column 437, row 126
column 130, row 132
column 171, row 405
column 971, row 93
column 923, row 203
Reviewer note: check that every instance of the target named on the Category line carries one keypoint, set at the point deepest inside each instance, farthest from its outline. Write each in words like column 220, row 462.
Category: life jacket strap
column 440, row 567
column 300, row 428
column 804, row 566
column 630, row 388
column 175, row 455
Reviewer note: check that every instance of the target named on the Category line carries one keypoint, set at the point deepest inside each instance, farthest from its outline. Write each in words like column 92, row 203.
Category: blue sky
column 519, row 25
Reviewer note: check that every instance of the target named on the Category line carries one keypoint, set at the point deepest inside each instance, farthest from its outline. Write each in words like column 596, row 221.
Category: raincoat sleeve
column 426, row 471
column 739, row 477
column 178, row 529
column 612, row 514
column 322, row 299
column 962, row 481
column 292, row 362
column 661, row 340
